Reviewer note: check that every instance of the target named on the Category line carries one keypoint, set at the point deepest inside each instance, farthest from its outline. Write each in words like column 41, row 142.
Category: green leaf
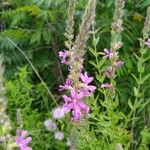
column 93, row 51
column 95, row 41
column 136, row 79
column 36, row 37
column 136, row 92
column 146, row 77
column 140, row 66
column 100, row 78
column 93, row 63
column 101, row 62
column 130, row 104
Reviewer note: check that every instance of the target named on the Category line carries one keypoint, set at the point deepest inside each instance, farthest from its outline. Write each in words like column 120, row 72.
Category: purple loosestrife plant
column 77, row 83
column 116, row 44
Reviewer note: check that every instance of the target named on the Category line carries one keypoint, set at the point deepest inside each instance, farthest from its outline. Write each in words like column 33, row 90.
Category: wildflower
column 118, row 63
column 110, row 72
column 148, row 42
column 106, row 85
column 109, row 53
column 84, row 77
column 67, row 85
column 87, row 89
column 59, row 135
column 63, row 55
column 50, row 125
column 76, row 105
column 59, row 112
column 22, row 140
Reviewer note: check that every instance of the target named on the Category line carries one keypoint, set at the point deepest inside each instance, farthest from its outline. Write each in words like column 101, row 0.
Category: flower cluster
column 63, row 55
column 22, row 140
column 115, row 63
column 74, row 103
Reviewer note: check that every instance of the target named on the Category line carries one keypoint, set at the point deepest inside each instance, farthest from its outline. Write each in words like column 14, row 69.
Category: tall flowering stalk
column 77, row 83
column 78, row 50
column 112, row 53
column 70, row 24
column 146, row 28
column 141, row 78
column 5, row 125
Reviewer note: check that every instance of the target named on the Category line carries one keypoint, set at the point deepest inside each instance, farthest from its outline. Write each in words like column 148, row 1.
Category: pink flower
column 67, row 85
column 87, row 89
column 63, row 55
column 22, row 140
column 50, row 125
column 59, row 135
column 148, row 42
column 75, row 104
column 84, row 77
column 106, row 85
column 109, row 54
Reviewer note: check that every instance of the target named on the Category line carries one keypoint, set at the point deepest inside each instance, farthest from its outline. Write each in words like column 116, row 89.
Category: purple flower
column 75, row 104
column 109, row 53
column 84, row 77
column 87, row 89
column 110, row 72
column 22, row 140
column 50, row 125
column 148, row 42
column 63, row 55
column 119, row 63
column 59, row 135
column 106, row 85
column 59, row 112
column 67, row 85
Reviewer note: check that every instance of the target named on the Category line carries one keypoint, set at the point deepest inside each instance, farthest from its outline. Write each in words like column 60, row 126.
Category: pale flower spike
column 77, row 83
